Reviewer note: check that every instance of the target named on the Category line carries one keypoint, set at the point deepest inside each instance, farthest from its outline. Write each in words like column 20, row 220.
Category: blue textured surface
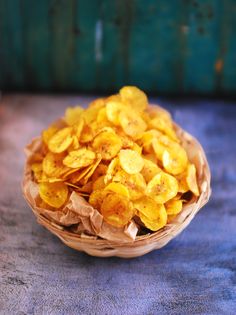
column 194, row 274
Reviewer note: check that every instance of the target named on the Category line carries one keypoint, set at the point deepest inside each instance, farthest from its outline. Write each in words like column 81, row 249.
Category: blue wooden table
column 194, row 274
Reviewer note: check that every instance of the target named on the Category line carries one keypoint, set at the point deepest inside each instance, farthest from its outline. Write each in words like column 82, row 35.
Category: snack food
column 123, row 157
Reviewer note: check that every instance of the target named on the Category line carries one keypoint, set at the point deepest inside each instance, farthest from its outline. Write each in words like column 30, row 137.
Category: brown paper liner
column 82, row 227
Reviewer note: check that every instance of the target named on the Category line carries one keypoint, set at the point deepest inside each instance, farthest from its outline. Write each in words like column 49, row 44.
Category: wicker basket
column 95, row 246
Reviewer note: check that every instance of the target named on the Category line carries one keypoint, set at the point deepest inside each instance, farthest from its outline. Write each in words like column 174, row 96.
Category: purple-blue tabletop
column 194, row 274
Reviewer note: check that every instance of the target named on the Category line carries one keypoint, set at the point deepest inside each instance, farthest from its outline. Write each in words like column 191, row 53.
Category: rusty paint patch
column 219, row 65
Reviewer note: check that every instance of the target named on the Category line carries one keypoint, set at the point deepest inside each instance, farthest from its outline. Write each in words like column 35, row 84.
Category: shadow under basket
column 154, row 240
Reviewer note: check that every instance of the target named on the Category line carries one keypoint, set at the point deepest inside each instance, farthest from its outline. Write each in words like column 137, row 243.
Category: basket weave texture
column 143, row 244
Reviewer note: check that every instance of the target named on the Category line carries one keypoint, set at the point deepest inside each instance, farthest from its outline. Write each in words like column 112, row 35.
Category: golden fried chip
column 73, row 115
column 54, row 194
column 175, row 160
column 96, row 198
column 132, row 124
column 158, row 148
column 61, row 140
column 131, row 161
column 173, row 207
column 108, row 144
column 157, row 223
column 87, row 176
column 113, row 109
column 48, row 133
column 100, row 171
column 134, row 182
column 53, row 165
column 137, row 148
column 135, row 97
column 98, row 103
column 162, row 187
column 79, row 158
column 37, row 169
column 87, row 134
column 99, row 183
column 117, row 210
column 149, row 170
column 147, row 138
column 191, row 179
column 148, row 207
column 111, row 170
column 118, row 188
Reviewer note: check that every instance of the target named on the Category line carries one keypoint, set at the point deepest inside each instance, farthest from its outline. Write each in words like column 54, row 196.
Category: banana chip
column 135, row 97
column 175, row 160
column 111, row 170
column 131, row 161
column 191, row 179
column 53, row 165
column 99, row 183
column 149, row 170
column 113, row 109
column 173, row 207
column 157, row 223
column 48, row 133
column 148, row 207
column 54, row 194
column 118, row 188
column 61, row 140
column 108, row 144
column 132, row 124
column 73, row 115
column 79, row 158
column 117, row 210
column 162, row 187
column 134, row 182
column 37, row 169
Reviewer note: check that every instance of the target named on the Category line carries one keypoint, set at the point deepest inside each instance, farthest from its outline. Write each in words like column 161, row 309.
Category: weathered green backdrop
column 168, row 47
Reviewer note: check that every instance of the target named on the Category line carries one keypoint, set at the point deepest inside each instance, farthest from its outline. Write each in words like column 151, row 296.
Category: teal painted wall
column 165, row 47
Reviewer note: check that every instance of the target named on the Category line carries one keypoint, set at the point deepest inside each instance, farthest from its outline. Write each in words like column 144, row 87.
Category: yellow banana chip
column 100, row 171
column 48, row 133
column 113, row 109
column 108, row 144
column 118, row 188
column 117, row 210
column 134, row 182
column 99, row 183
column 96, row 198
column 61, row 140
column 87, row 134
column 131, row 161
column 98, row 103
column 79, row 158
column 191, row 179
column 175, row 160
column 149, row 170
column 53, row 165
column 91, row 171
column 111, row 170
column 132, row 124
column 148, row 207
column 157, row 223
column 173, row 207
column 54, row 194
column 162, row 187
column 135, row 97
column 37, row 169
column 73, row 115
